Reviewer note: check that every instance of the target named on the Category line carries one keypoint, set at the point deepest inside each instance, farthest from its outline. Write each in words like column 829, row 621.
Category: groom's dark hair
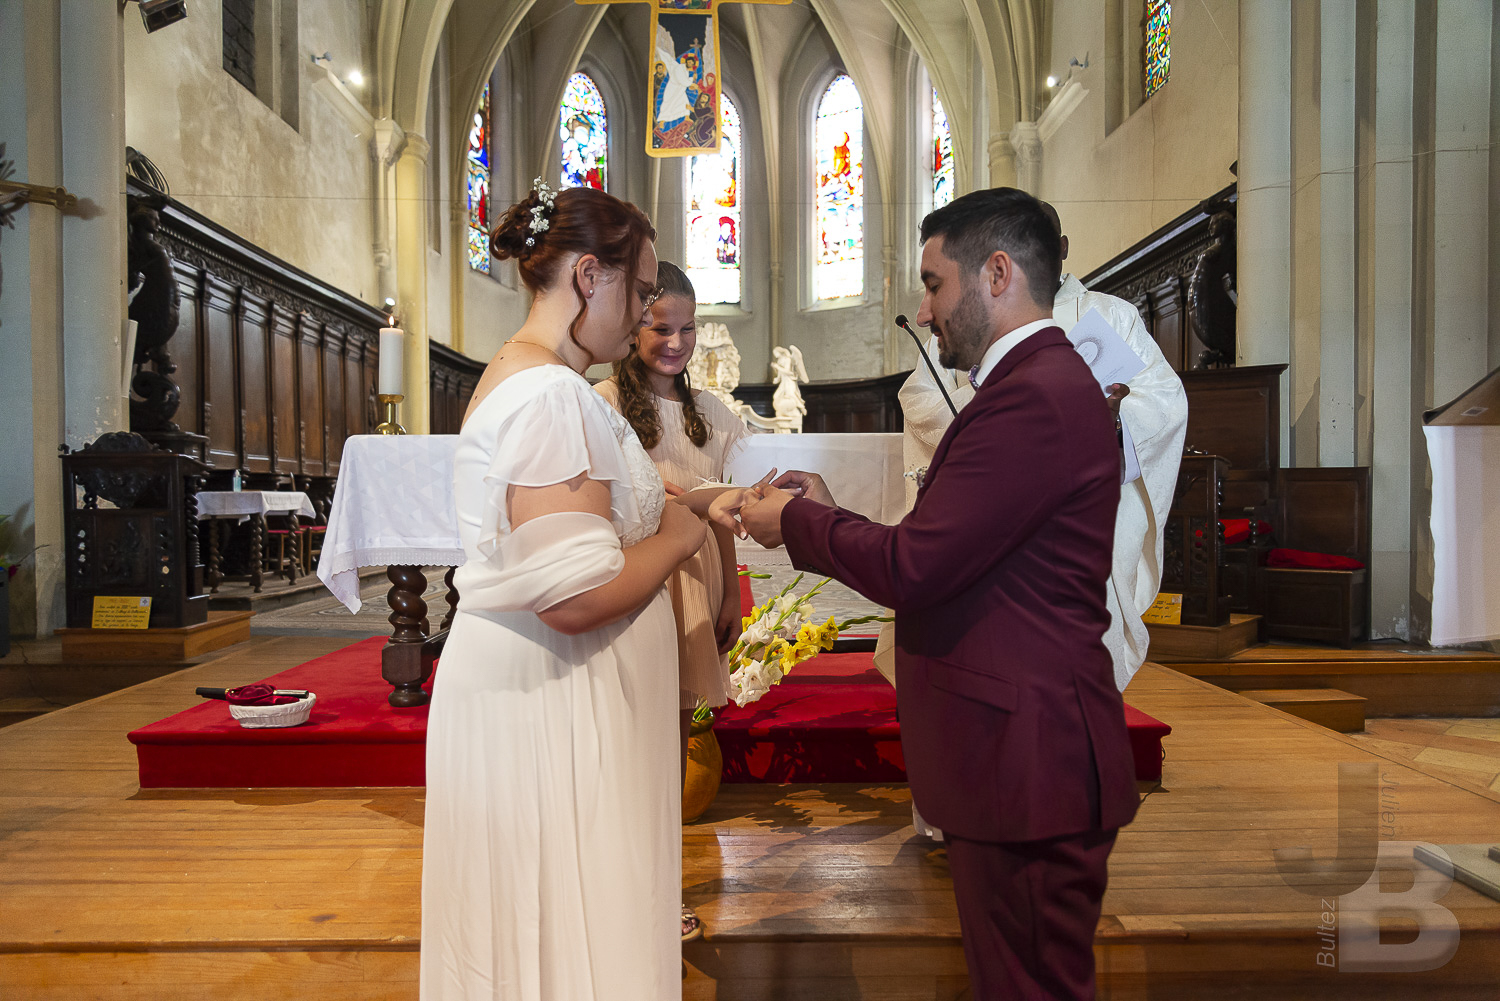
column 978, row 224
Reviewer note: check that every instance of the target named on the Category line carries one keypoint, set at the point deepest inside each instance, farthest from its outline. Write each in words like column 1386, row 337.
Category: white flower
column 791, row 608
column 758, row 631
column 753, row 680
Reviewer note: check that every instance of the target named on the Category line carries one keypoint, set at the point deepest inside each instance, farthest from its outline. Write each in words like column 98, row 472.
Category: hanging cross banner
column 683, row 89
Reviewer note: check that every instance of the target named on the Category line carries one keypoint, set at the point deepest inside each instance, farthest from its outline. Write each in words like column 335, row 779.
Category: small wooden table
column 249, row 505
column 393, row 507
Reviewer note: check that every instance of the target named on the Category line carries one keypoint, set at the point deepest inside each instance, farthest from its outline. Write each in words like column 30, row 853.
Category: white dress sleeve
column 559, row 433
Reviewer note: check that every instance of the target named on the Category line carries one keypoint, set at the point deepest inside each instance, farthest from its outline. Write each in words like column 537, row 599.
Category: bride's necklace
column 534, row 344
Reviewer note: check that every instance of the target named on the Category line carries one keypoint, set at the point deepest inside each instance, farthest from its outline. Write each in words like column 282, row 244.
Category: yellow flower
column 827, row 633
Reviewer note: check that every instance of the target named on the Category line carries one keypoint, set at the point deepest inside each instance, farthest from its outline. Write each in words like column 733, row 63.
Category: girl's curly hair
column 637, row 402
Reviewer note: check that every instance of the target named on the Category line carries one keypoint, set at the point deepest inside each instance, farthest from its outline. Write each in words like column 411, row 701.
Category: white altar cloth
column 246, row 503
column 393, row 506
column 1465, row 532
column 862, row 471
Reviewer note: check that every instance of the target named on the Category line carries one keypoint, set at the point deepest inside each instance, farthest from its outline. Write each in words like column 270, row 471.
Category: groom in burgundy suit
column 1012, row 727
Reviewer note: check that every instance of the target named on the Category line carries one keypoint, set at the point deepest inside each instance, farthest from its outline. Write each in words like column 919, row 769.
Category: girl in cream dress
column 691, row 437
column 552, row 848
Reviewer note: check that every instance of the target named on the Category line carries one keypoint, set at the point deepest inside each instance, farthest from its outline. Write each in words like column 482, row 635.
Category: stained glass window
column 714, row 184
column 479, row 185
column 942, row 155
column 1158, row 44
column 583, row 127
column 838, row 136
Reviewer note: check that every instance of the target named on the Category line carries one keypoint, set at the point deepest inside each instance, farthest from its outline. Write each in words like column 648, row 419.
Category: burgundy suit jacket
column 1011, row 724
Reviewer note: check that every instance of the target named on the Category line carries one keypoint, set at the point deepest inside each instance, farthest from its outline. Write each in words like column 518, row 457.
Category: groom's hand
column 803, row 484
column 762, row 517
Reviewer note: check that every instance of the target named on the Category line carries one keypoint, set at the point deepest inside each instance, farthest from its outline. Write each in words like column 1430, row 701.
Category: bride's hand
column 682, row 527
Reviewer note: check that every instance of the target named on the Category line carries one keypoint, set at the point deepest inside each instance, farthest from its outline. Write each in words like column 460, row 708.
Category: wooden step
column 1209, row 642
column 222, row 629
column 1324, row 706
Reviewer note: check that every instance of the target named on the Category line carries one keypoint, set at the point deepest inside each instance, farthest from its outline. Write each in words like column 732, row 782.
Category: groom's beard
column 965, row 333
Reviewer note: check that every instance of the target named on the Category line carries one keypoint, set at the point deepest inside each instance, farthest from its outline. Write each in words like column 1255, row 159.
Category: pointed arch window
column 479, row 185
column 1158, row 44
column 942, row 155
column 838, row 139
column 583, row 128
column 715, row 186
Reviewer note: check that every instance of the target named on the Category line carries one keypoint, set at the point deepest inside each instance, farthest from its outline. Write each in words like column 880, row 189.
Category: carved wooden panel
column 275, row 367
column 311, row 428
column 1192, row 542
column 220, row 381
column 451, row 383
column 255, row 424
column 1156, row 272
column 1236, row 413
column 333, row 399
column 187, row 352
column 285, row 454
column 1168, row 319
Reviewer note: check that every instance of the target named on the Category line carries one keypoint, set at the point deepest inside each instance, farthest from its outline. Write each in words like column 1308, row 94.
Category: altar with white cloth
column 393, row 507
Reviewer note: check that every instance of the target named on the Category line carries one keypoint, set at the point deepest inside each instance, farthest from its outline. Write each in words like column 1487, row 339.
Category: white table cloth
column 1465, row 532
column 863, row 472
column 246, row 503
column 393, row 506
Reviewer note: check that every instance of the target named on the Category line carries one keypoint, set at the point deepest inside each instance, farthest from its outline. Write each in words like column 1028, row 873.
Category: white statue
column 715, row 365
column 787, row 369
column 715, row 368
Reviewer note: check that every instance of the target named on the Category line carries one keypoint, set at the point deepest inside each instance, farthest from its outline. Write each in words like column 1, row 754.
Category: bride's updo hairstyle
column 579, row 221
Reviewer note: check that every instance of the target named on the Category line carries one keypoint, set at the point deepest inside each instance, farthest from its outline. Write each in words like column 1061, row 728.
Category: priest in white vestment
column 1153, row 418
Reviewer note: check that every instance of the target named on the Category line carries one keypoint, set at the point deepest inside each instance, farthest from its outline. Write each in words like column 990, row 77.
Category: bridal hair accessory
column 546, row 199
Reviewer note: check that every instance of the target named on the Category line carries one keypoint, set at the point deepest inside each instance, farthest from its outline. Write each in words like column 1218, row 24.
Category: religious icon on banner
column 685, row 79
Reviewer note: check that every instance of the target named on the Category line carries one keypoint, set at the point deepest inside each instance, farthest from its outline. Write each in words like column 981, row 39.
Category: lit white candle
column 392, row 344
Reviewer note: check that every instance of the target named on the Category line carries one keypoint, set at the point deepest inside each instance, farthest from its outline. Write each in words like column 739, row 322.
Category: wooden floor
column 809, row 892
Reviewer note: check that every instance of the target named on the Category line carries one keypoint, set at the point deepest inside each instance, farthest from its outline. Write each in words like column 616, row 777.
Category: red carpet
column 833, row 720
column 353, row 739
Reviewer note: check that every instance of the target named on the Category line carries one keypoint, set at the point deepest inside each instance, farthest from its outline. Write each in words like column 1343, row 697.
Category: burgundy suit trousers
column 1028, row 911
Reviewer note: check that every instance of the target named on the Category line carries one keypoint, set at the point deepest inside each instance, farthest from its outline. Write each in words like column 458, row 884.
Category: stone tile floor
column 1466, row 751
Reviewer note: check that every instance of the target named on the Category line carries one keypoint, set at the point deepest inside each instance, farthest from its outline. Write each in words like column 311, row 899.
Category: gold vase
column 705, row 768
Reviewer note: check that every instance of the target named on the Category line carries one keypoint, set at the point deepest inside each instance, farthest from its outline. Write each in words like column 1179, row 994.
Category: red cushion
column 1237, row 530
column 1297, row 559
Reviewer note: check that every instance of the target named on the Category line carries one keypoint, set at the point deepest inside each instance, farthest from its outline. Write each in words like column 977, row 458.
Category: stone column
column 1391, row 432
column 74, row 68
column 1461, row 191
column 386, row 143
column 1339, row 391
column 1002, row 161
column 91, row 96
column 1265, row 171
column 1027, row 141
column 410, row 185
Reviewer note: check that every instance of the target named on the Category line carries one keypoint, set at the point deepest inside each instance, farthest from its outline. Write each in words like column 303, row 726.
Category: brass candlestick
column 389, row 425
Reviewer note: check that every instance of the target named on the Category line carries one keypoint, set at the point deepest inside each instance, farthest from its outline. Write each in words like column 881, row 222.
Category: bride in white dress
column 551, row 865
